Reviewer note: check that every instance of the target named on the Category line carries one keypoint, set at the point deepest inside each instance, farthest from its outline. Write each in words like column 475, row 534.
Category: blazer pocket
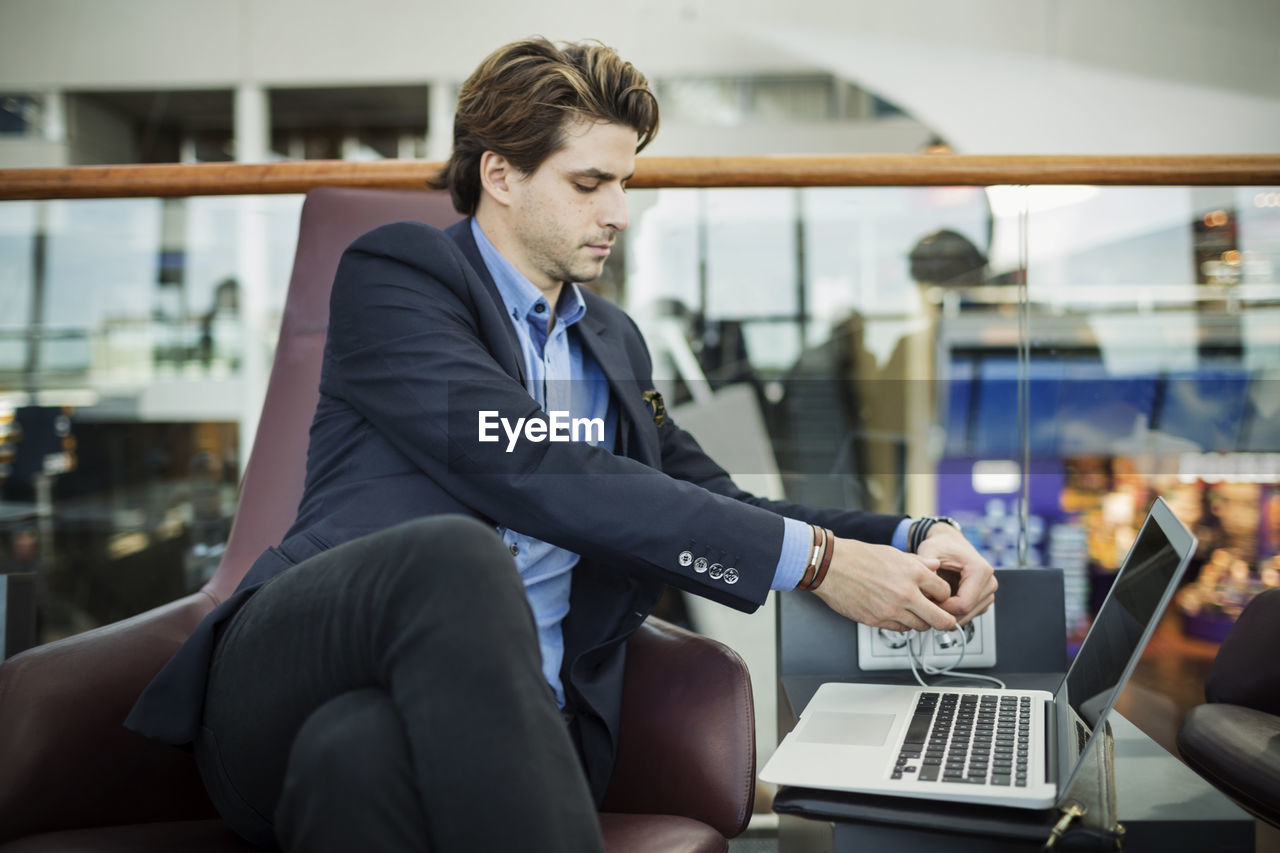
column 302, row 546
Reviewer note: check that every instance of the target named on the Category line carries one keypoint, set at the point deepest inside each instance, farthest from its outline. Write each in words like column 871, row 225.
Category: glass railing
column 1037, row 346
column 107, row 294
column 1040, row 362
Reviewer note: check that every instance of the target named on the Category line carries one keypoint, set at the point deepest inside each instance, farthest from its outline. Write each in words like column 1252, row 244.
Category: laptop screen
column 1138, row 597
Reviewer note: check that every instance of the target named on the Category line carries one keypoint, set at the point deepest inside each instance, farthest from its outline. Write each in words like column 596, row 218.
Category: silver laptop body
column 993, row 746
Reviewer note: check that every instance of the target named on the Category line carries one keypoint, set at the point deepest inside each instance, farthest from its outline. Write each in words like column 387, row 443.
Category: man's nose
column 613, row 214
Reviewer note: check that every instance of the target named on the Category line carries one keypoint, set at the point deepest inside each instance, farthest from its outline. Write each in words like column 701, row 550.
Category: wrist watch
column 920, row 529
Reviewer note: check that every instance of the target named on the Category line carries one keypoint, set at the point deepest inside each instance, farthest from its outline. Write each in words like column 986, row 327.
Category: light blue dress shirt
column 562, row 378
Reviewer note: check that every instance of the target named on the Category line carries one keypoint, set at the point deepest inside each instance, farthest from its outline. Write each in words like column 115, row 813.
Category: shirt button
column 730, row 576
column 515, row 550
column 540, row 308
column 685, row 558
column 700, row 565
column 716, row 572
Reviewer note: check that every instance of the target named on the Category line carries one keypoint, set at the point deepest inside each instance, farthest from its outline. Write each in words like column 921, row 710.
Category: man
column 395, row 673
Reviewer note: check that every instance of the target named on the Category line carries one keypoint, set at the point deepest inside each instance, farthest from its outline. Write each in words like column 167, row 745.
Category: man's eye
column 583, row 188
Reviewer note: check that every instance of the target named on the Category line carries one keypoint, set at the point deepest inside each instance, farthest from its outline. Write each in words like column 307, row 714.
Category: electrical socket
column 880, row 648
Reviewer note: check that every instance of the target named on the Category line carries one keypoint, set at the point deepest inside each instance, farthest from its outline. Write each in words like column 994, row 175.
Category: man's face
column 566, row 215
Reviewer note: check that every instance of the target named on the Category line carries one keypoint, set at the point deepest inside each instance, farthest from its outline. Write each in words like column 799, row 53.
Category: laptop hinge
column 1050, row 743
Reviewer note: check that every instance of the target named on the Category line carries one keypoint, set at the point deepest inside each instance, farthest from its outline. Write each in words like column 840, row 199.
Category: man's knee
column 349, row 784
column 353, row 742
column 456, row 556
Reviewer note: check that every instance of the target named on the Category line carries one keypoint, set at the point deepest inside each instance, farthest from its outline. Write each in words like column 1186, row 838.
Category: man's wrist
column 796, row 540
column 824, row 546
column 922, row 527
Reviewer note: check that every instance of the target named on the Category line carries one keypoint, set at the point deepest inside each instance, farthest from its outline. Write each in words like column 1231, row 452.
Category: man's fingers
column 966, row 617
column 915, row 622
column 934, row 615
column 960, row 607
column 964, row 601
column 934, row 587
column 973, row 591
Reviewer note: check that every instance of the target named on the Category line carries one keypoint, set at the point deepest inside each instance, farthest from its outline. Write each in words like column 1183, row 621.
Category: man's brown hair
column 518, row 102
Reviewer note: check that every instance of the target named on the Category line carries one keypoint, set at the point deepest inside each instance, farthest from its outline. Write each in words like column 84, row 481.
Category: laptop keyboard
column 968, row 738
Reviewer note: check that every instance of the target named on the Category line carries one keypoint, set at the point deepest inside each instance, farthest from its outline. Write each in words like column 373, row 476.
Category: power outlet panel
column 880, row 648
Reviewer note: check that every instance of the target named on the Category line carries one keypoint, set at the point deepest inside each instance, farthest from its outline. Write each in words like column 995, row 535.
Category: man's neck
column 495, row 230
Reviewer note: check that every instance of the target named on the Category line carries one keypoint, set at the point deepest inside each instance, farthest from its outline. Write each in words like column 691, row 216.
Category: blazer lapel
column 604, row 347
column 512, row 359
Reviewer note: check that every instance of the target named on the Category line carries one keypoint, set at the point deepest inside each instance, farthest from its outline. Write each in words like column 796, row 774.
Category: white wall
column 893, row 136
column 32, row 153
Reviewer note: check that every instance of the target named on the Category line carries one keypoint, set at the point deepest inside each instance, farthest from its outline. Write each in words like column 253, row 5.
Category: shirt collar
column 520, row 295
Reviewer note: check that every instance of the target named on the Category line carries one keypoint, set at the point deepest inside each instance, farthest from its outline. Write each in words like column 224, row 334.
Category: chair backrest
column 272, row 485
column 1243, row 673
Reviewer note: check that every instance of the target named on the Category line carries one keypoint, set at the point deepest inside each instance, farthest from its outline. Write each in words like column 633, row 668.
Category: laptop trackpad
column 846, row 729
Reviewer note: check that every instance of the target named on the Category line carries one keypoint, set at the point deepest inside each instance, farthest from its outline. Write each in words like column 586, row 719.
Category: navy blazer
column 418, row 344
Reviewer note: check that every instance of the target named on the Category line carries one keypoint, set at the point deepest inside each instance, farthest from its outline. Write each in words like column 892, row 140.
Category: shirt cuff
column 899, row 540
column 797, row 541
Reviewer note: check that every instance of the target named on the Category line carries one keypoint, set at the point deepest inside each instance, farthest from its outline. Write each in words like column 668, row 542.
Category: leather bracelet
column 815, row 557
column 820, row 561
column 828, row 551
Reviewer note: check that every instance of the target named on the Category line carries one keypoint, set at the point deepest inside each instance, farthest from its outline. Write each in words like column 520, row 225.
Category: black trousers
column 387, row 694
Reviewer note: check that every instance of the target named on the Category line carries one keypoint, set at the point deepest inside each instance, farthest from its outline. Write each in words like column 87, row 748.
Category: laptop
column 994, row 746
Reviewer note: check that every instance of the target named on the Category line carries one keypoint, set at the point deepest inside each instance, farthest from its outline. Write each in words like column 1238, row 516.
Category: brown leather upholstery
column 660, row 834
column 688, row 745
column 72, row 778
column 272, row 486
column 66, row 759
column 1234, row 740
column 187, row 836
column 633, row 833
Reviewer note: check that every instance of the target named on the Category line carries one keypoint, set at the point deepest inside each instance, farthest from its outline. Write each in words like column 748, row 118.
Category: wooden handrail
column 167, row 180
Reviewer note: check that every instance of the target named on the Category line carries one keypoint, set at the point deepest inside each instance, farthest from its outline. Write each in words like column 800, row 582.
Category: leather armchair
column 1234, row 739
column 72, row 778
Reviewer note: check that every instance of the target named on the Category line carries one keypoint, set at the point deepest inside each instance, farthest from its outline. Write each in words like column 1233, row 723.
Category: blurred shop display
column 1244, row 526
column 110, row 518
column 1084, row 521
column 36, row 445
column 1101, row 446
column 19, row 560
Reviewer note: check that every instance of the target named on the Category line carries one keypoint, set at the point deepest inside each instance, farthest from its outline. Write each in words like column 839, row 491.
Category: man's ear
column 496, row 176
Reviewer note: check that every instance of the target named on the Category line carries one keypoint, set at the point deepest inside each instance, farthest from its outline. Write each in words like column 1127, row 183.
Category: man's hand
column 948, row 548
column 883, row 587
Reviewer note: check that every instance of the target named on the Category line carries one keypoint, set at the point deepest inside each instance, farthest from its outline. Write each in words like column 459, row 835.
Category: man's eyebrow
column 598, row 174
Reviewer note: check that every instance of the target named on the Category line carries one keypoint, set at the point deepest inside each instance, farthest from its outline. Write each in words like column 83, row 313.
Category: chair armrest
column 68, row 761
column 1231, row 746
column 687, row 736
